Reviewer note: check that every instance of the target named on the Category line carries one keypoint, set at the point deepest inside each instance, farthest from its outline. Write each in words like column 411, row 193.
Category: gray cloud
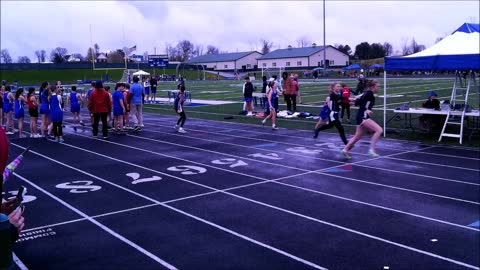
column 27, row 26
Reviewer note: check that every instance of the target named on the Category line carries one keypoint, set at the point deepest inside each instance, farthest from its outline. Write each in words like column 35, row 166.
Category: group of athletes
column 50, row 105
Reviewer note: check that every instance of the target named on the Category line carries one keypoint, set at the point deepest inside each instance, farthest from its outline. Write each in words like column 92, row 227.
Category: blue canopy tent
column 459, row 51
column 375, row 66
column 318, row 69
column 353, row 66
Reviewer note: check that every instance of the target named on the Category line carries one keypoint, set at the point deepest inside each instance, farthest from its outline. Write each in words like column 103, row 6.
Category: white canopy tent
column 141, row 73
column 459, row 51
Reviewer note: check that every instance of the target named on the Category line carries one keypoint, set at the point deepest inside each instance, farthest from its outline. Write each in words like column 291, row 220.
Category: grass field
column 400, row 90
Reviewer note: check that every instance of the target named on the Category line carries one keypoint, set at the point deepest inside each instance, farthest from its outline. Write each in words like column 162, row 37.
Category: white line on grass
column 103, row 227
column 276, row 208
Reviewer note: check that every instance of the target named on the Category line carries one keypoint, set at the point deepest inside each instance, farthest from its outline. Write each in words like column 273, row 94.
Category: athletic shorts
column 44, row 109
column 75, row 108
column 154, row 90
column 248, row 99
column 33, row 112
column 147, row 90
column 19, row 114
column 118, row 111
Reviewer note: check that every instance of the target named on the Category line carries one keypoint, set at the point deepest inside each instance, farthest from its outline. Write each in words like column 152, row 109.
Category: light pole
column 324, row 44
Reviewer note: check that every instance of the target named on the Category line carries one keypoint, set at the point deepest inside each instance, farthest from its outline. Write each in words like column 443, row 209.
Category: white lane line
column 317, row 158
column 291, row 256
column 289, row 167
column 431, row 164
column 96, row 216
column 18, row 262
column 282, row 210
column 103, row 227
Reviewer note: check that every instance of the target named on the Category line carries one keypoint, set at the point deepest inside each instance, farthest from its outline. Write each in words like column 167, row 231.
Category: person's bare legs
column 377, row 132
column 358, row 135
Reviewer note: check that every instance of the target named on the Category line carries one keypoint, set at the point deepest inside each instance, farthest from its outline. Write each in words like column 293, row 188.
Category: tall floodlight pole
column 324, row 44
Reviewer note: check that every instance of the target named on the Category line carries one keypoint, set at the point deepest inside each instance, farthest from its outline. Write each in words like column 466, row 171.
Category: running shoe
column 372, row 153
column 346, row 154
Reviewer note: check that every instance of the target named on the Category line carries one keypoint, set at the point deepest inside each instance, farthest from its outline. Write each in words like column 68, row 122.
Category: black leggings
column 339, row 127
column 181, row 120
column 57, row 129
column 96, row 120
column 347, row 107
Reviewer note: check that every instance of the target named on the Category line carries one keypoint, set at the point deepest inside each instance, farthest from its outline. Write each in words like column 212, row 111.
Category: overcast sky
column 27, row 26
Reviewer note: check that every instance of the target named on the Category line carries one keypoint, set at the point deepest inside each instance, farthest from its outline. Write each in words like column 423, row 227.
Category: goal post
column 270, row 71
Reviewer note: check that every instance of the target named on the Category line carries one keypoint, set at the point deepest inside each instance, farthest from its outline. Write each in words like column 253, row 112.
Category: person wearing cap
column 362, row 83
column 100, row 105
column 430, row 122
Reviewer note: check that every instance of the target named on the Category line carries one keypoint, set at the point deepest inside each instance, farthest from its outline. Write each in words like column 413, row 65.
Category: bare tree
column 303, row 42
column 198, row 50
column 388, row 48
column 415, row 47
column 43, row 56
column 115, row 56
column 171, row 52
column 90, row 55
column 405, row 47
column 58, row 55
column 23, row 60
column 5, row 57
column 38, row 54
column 266, row 46
column 212, row 49
column 78, row 56
column 185, row 49
column 97, row 49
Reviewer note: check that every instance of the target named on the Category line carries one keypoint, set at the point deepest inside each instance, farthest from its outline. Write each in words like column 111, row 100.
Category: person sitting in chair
column 430, row 122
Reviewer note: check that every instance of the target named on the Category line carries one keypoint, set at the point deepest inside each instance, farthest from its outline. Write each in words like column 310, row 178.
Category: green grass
column 400, row 91
column 36, row 77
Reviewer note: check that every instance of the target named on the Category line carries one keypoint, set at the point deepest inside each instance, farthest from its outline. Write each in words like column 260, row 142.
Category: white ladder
column 450, row 120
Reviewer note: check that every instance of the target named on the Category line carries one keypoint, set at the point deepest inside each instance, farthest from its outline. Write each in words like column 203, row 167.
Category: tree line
column 185, row 50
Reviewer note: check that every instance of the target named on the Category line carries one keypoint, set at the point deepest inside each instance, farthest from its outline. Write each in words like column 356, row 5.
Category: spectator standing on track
column 153, row 89
column 333, row 102
column 248, row 95
column 362, row 83
column 272, row 103
column 89, row 92
column 44, row 107
column 118, row 108
column 364, row 120
column 136, row 90
column 178, row 107
column 74, row 99
column 100, row 105
column 56, row 114
column 8, row 100
column 297, row 88
column 127, row 99
column 32, row 102
column 20, row 101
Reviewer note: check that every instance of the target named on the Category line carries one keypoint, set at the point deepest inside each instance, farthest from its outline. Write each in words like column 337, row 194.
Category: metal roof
column 224, row 57
column 292, row 52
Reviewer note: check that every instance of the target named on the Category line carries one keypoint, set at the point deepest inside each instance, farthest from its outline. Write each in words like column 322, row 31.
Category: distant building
column 304, row 57
column 101, row 58
column 228, row 61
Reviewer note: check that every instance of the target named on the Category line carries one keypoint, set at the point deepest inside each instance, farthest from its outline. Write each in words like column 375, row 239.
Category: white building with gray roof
column 305, row 57
column 228, row 61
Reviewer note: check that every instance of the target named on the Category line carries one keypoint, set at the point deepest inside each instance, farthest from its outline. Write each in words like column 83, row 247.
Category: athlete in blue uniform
column 20, row 100
column 118, row 108
column 364, row 120
column 44, row 107
column 75, row 99
column 56, row 114
column 8, row 99
column 272, row 103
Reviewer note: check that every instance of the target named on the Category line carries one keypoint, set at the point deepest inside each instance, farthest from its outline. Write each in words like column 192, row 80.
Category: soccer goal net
column 270, row 71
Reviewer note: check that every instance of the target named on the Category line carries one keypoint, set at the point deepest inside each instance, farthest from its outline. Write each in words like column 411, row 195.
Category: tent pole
column 384, row 103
